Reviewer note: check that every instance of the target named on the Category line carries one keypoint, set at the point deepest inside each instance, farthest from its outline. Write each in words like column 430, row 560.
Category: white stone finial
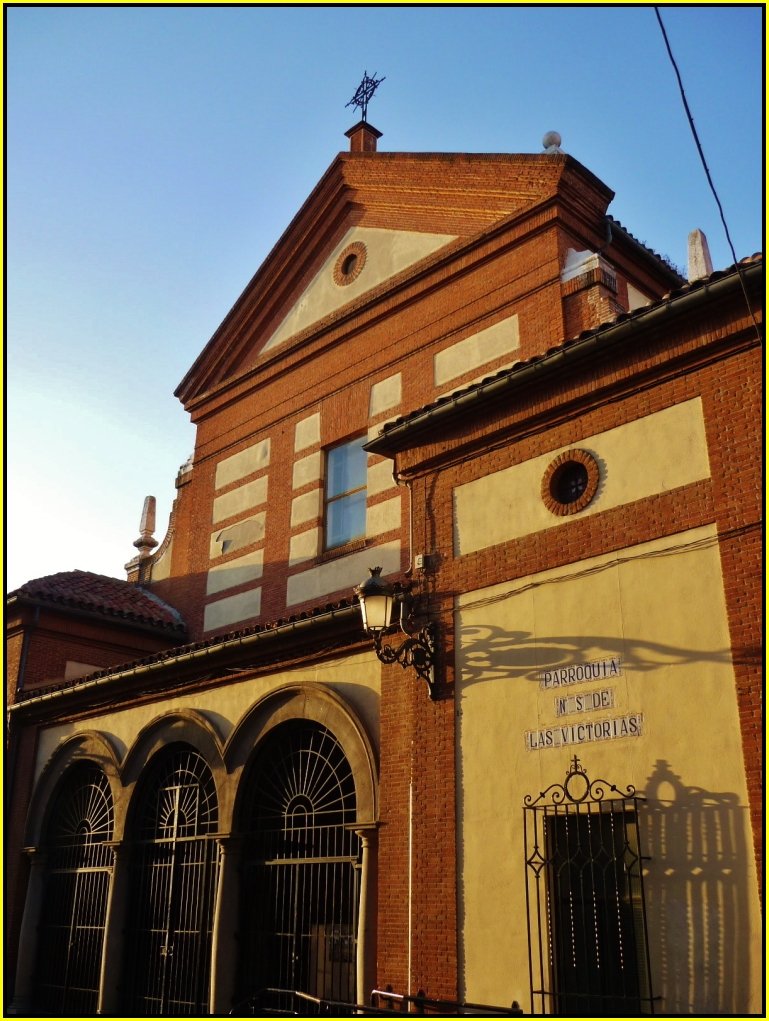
column 700, row 264
column 148, row 515
column 551, row 142
column 146, row 543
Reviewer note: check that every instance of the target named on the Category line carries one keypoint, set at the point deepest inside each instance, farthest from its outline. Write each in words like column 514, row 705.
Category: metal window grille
column 588, row 947
column 174, row 867
column 78, row 869
column 300, row 867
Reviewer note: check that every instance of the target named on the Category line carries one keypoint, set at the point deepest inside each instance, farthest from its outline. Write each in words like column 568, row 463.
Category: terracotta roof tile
column 183, row 651
column 97, row 593
column 660, row 258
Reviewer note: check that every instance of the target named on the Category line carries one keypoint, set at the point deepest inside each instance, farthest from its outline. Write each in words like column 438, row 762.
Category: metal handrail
column 338, row 1008
column 459, row 1007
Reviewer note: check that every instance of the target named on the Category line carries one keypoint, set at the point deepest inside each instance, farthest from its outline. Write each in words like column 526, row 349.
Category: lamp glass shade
column 376, row 600
column 376, row 611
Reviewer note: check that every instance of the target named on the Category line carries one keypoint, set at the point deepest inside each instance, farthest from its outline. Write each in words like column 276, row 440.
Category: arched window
column 299, row 896
column 173, row 884
column 78, row 868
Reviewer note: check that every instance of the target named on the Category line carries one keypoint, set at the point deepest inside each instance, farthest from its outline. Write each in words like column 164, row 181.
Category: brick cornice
column 319, row 220
column 412, row 285
column 575, row 376
column 567, row 397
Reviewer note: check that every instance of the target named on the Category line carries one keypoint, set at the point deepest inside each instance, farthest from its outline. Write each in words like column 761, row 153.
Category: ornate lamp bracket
column 417, row 651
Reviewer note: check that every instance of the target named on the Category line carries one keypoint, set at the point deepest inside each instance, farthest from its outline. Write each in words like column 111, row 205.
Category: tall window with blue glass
column 345, row 493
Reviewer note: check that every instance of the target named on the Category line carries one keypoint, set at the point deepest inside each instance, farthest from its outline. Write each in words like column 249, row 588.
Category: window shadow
column 696, row 896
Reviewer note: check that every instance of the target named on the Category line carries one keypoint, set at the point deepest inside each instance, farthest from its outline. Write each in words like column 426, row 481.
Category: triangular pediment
column 391, row 211
column 372, row 255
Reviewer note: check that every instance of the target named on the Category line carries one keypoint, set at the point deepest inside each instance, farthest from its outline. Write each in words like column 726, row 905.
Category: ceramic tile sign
column 587, row 702
column 582, row 733
column 597, row 670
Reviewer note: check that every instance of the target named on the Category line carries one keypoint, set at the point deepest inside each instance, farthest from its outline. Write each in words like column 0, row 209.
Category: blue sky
column 155, row 155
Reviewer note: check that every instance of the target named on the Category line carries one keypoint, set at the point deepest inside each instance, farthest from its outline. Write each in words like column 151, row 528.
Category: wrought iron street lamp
column 377, row 598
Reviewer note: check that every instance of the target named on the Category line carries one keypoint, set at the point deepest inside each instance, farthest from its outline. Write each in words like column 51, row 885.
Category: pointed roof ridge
column 364, row 188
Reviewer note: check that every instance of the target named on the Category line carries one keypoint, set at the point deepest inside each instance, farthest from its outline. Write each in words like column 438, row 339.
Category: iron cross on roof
column 364, row 92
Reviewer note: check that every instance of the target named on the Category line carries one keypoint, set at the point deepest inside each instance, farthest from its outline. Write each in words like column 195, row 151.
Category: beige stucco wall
column 475, row 350
column 650, row 455
column 307, row 432
column 303, row 546
column 162, row 567
column 235, row 572
column 660, row 607
column 307, row 469
column 383, row 517
column 245, row 462
column 253, row 494
column 385, row 394
column 387, row 253
column 346, row 572
column 244, row 533
column 355, row 678
column 379, row 477
column 233, row 609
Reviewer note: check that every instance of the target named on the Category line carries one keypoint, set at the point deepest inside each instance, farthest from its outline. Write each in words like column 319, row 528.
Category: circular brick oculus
column 349, row 265
column 570, row 482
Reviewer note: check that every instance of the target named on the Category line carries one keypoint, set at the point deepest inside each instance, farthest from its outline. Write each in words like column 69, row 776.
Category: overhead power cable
column 705, row 166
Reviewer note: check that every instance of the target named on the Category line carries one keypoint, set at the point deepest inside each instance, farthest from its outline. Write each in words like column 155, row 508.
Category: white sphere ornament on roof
column 552, row 142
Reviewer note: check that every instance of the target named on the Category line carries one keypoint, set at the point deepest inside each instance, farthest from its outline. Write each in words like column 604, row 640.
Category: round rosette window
column 349, row 265
column 570, row 482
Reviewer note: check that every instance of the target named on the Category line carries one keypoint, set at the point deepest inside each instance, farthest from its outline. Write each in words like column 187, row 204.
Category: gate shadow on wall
column 696, row 883
column 696, row 896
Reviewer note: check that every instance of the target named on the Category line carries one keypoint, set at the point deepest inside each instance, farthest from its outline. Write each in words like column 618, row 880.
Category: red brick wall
column 20, row 765
column 605, row 395
column 54, row 637
column 512, row 270
column 13, row 653
column 418, row 785
column 735, row 444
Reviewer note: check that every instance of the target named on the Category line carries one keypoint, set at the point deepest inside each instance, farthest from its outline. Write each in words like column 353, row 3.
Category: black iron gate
column 78, row 870
column 173, row 886
column 588, row 947
column 300, row 867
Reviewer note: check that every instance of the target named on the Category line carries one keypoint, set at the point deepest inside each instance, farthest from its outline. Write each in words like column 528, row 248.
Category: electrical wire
column 705, row 167
column 706, row 542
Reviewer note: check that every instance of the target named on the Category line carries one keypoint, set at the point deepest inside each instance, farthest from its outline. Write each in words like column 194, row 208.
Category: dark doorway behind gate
column 173, row 884
column 300, row 866
column 588, row 948
column 78, row 870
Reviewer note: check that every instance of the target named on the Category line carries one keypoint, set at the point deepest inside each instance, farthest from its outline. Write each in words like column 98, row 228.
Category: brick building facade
column 575, row 507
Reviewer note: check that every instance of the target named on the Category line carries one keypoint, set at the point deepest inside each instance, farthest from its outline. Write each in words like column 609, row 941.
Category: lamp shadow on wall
column 491, row 653
column 696, row 896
